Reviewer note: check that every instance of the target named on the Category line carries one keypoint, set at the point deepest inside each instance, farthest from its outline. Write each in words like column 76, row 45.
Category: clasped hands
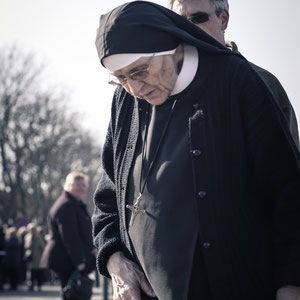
column 127, row 278
column 288, row 293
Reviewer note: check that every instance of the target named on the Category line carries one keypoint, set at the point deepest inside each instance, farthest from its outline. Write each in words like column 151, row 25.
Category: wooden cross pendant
column 135, row 209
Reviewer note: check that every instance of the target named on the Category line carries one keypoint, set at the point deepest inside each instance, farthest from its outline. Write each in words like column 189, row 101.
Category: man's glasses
column 138, row 75
column 199, row 18
column 202, row 17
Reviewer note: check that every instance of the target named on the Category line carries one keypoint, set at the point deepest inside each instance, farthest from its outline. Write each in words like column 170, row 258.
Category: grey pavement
column 48, row 292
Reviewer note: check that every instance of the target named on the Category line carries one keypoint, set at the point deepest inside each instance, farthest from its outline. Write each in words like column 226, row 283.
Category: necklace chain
column 135, row 208
column 143, row 184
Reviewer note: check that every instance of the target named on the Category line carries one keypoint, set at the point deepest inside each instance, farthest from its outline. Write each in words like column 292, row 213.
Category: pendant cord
column 143, row 185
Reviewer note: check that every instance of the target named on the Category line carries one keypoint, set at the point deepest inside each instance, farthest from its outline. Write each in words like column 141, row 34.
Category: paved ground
column 48, row 292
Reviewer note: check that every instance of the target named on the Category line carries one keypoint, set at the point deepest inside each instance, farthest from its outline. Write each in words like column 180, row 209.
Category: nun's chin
column 156, row 97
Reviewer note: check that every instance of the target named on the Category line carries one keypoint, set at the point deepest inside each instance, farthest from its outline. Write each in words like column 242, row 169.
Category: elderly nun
column 199, row 195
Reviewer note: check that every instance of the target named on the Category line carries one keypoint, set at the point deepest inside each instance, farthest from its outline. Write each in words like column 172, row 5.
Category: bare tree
column 41, row 141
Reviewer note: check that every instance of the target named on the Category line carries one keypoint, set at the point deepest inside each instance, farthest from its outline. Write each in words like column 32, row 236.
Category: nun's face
column 156, row 87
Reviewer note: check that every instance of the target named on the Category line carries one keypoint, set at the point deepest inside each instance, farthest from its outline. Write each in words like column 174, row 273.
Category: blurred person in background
column 2, row 255
column 70, row 246
column 13, row 257
column 21, row 233
column 40, row 231
column 34, row 246
column 20, row 220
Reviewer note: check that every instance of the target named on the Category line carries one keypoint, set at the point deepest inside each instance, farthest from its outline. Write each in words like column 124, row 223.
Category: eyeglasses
column 202, row 17
column 199, row 18
column 138, row 75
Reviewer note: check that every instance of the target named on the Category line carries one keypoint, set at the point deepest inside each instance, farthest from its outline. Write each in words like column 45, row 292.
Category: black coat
column 71, row 236
column 13, row 256
column 245, row 164
column 278, row 93
column 249, row 170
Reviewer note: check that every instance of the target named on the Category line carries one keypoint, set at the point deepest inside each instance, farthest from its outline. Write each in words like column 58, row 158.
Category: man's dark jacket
column 70, row 232
column 278, row 93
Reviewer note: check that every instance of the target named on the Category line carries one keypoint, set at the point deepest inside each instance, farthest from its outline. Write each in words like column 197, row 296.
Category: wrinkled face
column 202, row 14
column 159, row 82
column 78, row 188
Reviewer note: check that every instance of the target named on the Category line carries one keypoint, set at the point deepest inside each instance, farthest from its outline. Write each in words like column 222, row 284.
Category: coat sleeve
column 275, row 161
column 105, row 218
column 281, row 98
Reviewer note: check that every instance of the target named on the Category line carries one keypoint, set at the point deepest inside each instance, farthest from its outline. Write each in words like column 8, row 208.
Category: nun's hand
column 288, row 293
column 127, row 278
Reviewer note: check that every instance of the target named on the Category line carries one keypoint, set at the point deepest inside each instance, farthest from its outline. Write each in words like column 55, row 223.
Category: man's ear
column 224, row 16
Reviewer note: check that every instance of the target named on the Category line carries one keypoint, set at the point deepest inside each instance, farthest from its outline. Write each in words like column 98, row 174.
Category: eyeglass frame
column 130, row 76
column 204, row 15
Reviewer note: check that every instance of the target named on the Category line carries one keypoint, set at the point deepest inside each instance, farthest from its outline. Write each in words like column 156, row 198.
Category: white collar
column 188, row 70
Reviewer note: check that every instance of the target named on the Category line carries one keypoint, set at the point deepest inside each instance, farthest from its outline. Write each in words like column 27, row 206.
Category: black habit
column 239, row 167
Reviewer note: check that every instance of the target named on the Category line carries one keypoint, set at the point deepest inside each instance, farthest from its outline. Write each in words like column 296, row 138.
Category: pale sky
column 62, row 34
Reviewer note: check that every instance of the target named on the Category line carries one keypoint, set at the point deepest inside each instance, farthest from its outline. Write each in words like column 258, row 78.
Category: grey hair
column 219, row 5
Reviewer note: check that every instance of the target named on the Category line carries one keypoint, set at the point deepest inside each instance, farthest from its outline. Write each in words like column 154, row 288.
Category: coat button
column 196, row 152
column 206, row 245
column 202, row 194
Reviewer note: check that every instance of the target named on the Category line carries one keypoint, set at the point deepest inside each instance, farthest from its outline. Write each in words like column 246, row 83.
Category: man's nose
column 135, row 86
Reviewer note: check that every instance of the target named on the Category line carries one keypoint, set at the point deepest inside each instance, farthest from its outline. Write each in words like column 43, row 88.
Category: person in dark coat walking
column 199, row 195
column 13, row 257
column 70, row 246
column 2, row 255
